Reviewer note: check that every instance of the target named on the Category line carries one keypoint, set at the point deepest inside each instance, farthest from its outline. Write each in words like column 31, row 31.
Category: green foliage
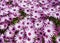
column 54, row 39
column 23, row 13
column 55, row 21
column 2, row 31
column 15, row 20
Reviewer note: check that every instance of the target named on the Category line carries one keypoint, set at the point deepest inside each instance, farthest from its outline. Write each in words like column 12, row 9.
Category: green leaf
column 54, row 39
column 58, row 23
column 2, row 31
column 15, row 20
column 55, row 21
column 23, row 13
column 52, row 19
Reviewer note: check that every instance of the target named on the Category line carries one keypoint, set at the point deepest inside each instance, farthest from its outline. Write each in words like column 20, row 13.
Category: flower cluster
column 29, row 21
